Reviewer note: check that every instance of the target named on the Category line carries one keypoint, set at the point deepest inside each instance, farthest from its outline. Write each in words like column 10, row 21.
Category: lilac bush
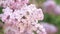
column 20, row 18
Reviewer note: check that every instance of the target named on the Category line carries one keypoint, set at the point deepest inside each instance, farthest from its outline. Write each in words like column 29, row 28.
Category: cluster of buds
column 20, row 18
column 50, row 6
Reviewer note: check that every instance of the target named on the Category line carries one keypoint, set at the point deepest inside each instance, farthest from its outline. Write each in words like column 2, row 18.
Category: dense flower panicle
column 29, row 13
column 49, row 5
column 50, row 28
column 20, row 18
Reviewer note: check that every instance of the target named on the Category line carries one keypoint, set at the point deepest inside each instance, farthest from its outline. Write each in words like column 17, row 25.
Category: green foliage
column 57, row 1
column 38, row 1
column 34, row 32
column 53, row 19
column 1, row 29
column 1, row 10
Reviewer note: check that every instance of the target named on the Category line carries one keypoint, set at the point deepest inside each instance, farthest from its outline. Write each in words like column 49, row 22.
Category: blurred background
column 51, row 10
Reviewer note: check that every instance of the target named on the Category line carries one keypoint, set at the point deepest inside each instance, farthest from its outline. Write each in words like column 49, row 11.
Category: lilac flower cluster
column 51, row 6
column 50, row 28
column 21, row 18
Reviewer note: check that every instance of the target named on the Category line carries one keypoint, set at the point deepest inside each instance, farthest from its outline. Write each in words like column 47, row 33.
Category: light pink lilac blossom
column 50, row 28
column 57, row 10
column 23, row 20
column 49, row 6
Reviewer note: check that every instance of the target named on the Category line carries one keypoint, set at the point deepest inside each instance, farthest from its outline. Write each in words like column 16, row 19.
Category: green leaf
column 1, row 10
